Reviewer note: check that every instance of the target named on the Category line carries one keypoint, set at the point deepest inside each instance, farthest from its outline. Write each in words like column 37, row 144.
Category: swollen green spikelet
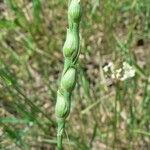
column 68, row 80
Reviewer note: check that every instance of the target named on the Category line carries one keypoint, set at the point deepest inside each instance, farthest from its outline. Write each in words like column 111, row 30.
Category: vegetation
column 68, row 81
column 110, row 106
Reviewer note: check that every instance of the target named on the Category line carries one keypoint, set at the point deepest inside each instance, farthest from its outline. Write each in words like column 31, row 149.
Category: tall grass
column 105, row 113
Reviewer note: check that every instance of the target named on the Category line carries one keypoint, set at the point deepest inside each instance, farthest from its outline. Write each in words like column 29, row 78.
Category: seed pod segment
column 68, row 81
column 61, row 106
column 75, row 11
column 70, row 44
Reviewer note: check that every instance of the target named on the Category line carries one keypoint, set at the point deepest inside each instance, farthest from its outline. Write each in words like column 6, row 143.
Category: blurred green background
column 106, row 113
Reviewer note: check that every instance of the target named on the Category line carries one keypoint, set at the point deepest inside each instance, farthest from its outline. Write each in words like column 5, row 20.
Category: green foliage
column 105, row 113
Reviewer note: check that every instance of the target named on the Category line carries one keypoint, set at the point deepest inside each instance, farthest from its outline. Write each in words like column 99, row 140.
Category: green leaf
column 7, row 24
column 37, row 11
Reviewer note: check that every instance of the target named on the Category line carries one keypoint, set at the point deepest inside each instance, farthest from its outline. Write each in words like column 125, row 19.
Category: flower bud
column 69, row 80
column 70, row 44
column 75, row 11
column 61, row 108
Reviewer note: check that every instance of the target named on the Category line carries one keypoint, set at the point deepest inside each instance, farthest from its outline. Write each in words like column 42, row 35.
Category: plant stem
column 61, row 126
column 71, row 53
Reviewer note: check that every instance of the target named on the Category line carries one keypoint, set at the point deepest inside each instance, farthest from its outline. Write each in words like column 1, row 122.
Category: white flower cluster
column 129, row 71
column 121, row 74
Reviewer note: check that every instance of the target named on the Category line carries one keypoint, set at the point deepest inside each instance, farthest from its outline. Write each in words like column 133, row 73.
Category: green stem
column 68, row 79
column 61, row 126
column 59, row 142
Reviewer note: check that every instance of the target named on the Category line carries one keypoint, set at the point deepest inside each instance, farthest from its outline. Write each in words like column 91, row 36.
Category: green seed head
column 61, row 108
column 70, row 44
column 69, row 80
column 75, row 12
